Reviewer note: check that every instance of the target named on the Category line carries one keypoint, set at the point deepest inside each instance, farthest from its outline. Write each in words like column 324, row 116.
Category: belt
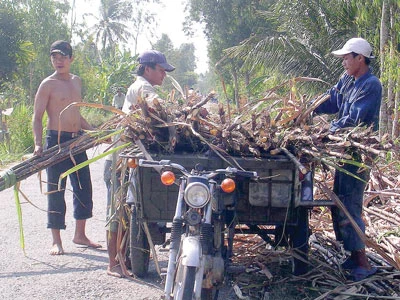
column 65, row 133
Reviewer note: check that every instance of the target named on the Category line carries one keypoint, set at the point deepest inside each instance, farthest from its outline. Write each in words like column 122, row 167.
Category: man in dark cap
column 54, row 94
column 151, row 71
column 356, row 99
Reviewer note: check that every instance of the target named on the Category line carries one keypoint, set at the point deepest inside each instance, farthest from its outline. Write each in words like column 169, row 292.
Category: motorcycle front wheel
column 139, row 247
column 209, row 294
column 184, row 282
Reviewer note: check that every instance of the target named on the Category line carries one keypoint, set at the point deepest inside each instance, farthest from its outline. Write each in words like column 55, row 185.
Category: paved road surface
column 81, row 272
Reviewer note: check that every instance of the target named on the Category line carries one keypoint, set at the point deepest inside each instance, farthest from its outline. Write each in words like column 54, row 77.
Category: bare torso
column 61, row 94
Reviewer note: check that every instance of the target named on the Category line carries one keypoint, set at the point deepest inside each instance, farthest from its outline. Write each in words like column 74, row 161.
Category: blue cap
column 154, row 56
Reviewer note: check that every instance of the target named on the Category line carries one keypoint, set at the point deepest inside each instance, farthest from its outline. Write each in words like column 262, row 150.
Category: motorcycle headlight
column 197, row 194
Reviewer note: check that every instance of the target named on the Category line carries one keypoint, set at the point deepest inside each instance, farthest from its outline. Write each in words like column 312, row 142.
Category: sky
column 170, row 18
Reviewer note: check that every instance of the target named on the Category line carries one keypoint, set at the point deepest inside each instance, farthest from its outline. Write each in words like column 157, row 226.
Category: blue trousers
column 350, row 191
column 81, row 186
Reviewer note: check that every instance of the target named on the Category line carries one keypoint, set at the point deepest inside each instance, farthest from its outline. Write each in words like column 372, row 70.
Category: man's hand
column 38, row 150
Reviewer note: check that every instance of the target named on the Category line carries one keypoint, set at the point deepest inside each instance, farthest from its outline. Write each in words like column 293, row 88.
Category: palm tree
column 110, row 27
column 298, row 37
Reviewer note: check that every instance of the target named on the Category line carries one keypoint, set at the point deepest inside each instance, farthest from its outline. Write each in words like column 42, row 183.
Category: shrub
column 18, row 139
column 95, row 116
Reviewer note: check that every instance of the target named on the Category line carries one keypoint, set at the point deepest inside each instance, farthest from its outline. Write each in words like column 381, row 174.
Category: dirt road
column 81, row 272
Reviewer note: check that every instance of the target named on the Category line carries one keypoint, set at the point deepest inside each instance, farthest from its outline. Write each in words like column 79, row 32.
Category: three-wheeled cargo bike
column 278, row 195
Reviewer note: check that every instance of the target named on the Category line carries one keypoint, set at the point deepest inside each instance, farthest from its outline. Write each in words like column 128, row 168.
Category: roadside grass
column 18, row 139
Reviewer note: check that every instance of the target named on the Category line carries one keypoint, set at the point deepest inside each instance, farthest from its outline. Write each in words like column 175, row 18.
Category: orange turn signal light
column 132, row 163
column 228, row 185
column 167, row 178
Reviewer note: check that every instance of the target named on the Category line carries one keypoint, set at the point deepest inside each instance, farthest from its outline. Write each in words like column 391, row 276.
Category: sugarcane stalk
column 367, row 241
column 305, row 114
column 329, row 257
column 298, row 164
column 361, row 146
column 49, row 158
column 383, row 215
column 204, row 101
column 339, row 155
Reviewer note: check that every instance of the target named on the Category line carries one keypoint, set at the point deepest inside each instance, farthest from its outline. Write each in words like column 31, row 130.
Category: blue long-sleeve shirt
column 355, row 101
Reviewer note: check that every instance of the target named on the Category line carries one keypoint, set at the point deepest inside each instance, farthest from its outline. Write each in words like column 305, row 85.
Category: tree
column 42, row 22
column 100, row 79
column 182, row 58
column 227, row 23
column 110, row 27
column 10, row 37
column 143, row 21
column 299, row 48
column 389, row 67
column 15, row 50
column 302, row 48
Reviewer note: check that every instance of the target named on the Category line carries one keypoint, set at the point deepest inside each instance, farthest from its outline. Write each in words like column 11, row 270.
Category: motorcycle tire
column 299, row 241
column 184, row 282
column 209, row 294
column 139, row 247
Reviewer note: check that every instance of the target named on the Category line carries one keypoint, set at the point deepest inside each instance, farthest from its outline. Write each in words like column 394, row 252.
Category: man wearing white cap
column 356, row 100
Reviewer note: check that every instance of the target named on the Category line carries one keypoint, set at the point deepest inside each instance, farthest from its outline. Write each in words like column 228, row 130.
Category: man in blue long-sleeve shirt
column 356, row 99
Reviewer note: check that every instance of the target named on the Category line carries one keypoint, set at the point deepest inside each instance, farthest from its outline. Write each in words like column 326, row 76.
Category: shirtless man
column 55, row 93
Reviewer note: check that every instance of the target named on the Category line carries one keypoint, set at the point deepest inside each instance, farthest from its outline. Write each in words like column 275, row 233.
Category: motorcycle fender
column 191, row 249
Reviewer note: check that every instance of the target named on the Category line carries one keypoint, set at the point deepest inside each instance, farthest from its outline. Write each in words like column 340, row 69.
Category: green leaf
column 19, row 213
column 89, row 161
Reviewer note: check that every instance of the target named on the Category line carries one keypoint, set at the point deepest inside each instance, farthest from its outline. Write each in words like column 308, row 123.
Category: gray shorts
column 112, row 194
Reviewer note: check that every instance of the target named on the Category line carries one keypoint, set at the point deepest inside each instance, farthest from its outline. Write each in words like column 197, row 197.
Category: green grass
column 18, row 139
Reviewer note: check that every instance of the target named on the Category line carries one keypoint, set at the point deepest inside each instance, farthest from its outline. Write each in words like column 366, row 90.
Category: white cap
column 356, row 45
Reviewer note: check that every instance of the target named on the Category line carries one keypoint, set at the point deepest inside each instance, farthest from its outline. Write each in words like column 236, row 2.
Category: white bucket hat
column 356, row 45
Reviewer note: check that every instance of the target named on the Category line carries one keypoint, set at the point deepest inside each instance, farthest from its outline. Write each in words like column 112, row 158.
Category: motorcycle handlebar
column 227, row 171
column 237, row 172
column 249, row 174
column 153, row 163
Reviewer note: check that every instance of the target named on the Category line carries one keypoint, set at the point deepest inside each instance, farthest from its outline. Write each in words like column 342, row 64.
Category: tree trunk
column 384, row 36
column 395, row 128
column 391, row 84
column 236, row 86
column 247, row 82
column 394, row 112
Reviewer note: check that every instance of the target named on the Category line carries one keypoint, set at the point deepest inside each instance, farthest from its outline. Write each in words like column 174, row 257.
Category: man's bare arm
column 41, row 100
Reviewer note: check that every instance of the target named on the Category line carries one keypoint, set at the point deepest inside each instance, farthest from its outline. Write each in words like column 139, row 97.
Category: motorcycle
column 206, row 207
column 198, row 252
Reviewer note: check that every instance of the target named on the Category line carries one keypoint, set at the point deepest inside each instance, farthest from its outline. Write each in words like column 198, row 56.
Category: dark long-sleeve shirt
column 355, row 101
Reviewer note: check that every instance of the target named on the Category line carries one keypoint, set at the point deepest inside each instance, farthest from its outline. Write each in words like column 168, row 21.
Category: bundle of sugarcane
column 264, row 126
column 50, row 157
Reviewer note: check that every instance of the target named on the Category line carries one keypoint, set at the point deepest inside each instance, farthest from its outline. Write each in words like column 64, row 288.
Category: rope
column 10, row 179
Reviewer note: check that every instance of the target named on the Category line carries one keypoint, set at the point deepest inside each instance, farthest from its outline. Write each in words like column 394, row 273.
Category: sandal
column 360, row 273
column 348, row 264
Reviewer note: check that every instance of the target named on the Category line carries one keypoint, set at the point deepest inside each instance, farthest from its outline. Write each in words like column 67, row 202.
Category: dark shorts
column 80, row 181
